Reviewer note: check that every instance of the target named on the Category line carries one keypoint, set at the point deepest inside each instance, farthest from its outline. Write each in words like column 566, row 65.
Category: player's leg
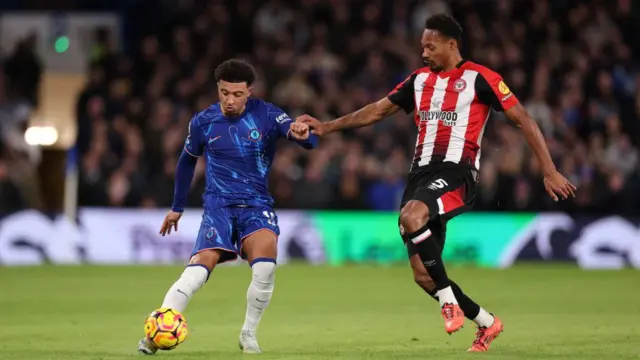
column 213, row 246
column 489, row 327
column 472, row 311
column 261, row 250
column 452, row 194
column 440, row 192
column 259, row 233
column 415, row 231
column 191, row 280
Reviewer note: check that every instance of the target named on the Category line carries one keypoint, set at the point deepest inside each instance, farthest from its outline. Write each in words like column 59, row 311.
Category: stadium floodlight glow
column 41, row 135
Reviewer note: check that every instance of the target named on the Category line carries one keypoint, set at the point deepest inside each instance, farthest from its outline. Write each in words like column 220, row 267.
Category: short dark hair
column 445, row 25
column 235, row 71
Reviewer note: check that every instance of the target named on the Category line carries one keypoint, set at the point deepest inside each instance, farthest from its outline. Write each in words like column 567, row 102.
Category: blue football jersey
column 239, row 151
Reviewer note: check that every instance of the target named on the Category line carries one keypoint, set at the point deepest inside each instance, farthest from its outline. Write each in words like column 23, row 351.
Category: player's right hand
column 300, row 130
column 317, row 126
column 556, row 184
column 170, row 221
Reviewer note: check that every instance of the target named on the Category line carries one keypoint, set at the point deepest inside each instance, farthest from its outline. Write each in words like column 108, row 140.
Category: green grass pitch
column 354, row 312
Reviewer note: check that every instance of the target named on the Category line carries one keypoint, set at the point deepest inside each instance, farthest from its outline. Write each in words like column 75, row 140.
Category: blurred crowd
column 20, row 74
column 573, row 64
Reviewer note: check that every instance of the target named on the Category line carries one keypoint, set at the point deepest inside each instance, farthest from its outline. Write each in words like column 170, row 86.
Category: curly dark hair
column 235, row 71
column 445, row 25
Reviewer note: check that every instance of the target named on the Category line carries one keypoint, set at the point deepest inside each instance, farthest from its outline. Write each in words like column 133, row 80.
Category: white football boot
column 146, row 348
column 248, row 342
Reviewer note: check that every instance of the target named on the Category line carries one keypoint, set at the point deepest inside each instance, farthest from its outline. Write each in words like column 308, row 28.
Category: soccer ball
column 166, row 328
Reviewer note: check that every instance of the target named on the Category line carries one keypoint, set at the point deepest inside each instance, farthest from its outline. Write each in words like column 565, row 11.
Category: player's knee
column 208, row 258
column 261, row 244
column 414, row 216
column 263, row 273
column 424, row 281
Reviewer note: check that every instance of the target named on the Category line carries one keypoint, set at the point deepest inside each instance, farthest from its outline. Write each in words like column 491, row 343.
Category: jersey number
column 438, row 184
column 271, row 217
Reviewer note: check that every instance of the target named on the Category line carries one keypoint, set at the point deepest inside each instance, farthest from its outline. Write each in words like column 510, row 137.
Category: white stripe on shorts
column 440, row 206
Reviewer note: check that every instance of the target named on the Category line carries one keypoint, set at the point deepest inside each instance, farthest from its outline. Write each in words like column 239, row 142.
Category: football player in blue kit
column 237, row 138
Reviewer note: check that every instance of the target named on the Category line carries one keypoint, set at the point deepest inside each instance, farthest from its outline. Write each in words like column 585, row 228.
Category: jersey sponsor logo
column 459, row 85
column 283, row 118
column 255, row 135
column 506, row 97
column 438, row 184
column 503, row 88
column 448, row 118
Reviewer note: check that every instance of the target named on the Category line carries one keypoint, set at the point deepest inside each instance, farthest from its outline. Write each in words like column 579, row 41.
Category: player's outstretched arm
column 492, row 91
column 554, row 182
column 368, row 115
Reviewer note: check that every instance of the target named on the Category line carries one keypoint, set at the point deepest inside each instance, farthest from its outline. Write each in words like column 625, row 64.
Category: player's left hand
column 556, row 184
column 300, row 130
column 170, row 221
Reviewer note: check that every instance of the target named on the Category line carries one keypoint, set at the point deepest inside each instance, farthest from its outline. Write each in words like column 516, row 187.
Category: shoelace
column 448, row 312
column 479, row 335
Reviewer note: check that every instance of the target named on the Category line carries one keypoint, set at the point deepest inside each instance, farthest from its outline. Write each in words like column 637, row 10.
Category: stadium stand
column 573, row 64
column 19, row 80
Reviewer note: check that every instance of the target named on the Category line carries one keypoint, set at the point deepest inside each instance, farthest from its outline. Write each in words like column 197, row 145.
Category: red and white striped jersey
column 451, row 110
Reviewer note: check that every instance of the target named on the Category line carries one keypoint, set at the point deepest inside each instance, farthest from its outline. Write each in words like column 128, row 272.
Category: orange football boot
column 453, row 317
column 486, row 335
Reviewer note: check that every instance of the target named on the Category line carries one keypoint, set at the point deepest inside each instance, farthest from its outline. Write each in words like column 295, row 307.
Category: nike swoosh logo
column 258, row 300
column 214, row 139
column 183, row 293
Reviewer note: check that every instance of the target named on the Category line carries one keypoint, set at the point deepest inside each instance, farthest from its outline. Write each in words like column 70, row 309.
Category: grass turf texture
column 320, row 313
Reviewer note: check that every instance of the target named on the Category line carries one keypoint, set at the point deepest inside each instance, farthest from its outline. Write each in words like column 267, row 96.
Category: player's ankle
column 484, row 318
column 446, row 296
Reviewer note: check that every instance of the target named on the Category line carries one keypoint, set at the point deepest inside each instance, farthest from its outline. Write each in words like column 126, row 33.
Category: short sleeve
column 194, row 144
column 492, row 91
column 402, row 95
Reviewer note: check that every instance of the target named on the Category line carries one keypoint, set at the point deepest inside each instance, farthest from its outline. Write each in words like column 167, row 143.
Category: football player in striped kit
column 451, row 99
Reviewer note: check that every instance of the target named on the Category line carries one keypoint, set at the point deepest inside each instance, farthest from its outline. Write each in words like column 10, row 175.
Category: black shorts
column 447, row 189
